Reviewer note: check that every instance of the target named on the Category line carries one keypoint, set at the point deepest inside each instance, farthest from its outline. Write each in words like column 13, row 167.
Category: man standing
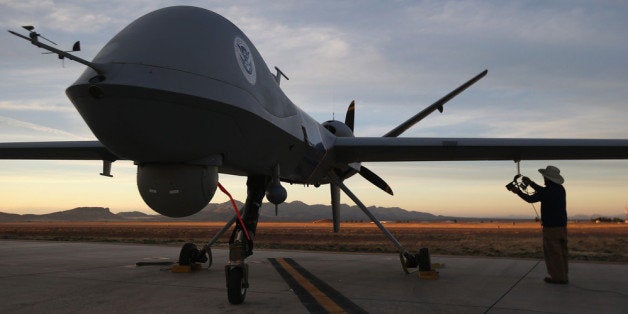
column 554, row 220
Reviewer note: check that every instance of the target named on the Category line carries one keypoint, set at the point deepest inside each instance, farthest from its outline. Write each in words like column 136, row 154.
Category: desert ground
column 607, row 242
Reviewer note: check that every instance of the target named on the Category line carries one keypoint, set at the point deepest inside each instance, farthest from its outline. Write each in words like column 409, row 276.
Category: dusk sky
column 556, row 69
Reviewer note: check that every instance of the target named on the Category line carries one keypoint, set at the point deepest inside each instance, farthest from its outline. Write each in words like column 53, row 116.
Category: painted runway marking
column 316, row 295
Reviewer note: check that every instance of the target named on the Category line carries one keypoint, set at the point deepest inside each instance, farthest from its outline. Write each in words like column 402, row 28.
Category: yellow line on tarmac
column 320, row 297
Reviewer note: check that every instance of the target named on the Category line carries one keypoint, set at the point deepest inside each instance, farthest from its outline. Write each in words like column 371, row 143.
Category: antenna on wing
column 279, row 75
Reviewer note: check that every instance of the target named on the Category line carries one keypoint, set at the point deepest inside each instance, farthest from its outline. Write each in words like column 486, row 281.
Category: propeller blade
column 375, row 179
column 437, row 105
column 350, row 118
column 335, row 206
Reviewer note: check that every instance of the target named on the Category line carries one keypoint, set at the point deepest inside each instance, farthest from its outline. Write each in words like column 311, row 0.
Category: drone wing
column 74, row 150
column 358, row 149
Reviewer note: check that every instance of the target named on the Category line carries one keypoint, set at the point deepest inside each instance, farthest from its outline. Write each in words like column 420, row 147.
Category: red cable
column 235, row 207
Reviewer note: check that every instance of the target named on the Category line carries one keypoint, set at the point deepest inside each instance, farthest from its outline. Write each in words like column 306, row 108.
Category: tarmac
column 66, row 277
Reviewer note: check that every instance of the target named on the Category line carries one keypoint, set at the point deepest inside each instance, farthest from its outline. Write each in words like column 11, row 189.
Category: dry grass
column 587, row 241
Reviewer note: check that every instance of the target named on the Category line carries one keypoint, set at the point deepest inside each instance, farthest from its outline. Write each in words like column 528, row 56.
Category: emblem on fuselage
column 245, row 59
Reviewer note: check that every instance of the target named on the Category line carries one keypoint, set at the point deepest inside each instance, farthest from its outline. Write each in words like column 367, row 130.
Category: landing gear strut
column 241, row 241
column 408, row 259
column 190, row 254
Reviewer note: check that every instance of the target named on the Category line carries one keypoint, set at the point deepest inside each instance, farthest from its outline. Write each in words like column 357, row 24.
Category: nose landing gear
column 237, row 270
column 240, row 242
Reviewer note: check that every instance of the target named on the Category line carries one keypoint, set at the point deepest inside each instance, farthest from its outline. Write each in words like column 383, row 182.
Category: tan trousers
column 555, row 251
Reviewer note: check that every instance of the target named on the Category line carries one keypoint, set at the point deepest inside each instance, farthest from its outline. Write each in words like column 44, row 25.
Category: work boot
column 554, row 281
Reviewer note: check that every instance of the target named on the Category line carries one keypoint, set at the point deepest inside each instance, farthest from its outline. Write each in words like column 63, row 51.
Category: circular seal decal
column 245, row 59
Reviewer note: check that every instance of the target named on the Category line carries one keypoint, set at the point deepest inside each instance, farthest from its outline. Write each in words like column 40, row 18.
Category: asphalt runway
column 38, row 277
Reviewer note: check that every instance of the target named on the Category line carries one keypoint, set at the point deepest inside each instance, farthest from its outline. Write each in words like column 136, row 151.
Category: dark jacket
column 553, row 203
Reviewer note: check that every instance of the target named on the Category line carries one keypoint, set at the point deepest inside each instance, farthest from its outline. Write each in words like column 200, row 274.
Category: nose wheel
column 241, row 240
column 237, row 282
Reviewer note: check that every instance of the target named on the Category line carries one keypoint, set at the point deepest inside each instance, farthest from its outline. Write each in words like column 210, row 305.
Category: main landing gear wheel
column 408, row 260
column 208, row 252
column 190, row 255
column 237, row 283
column 419, row 261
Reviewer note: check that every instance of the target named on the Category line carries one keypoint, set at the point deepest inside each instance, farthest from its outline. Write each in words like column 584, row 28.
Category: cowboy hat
column 553, row 174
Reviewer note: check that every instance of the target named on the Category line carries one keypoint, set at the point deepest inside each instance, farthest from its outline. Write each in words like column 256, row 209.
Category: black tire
column 408, row 261
column 210, row 258
column 188, row 254
column 236, row 290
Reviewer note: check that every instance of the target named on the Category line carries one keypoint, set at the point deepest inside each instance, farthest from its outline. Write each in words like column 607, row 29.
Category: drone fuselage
column 187, row 91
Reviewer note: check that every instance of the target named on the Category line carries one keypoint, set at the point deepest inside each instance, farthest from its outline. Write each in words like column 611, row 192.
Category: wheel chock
column 428, row 274
column 186, row 268
column 431, row 274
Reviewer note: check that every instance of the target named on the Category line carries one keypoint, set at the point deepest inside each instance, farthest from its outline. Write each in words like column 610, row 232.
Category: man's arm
column 530, row 198
column 531, row 183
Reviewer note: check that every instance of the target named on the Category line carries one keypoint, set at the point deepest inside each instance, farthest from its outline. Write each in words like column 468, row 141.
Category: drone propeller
column 375, row 179
column 350, row 117
column 365, row 172
column 353, row 168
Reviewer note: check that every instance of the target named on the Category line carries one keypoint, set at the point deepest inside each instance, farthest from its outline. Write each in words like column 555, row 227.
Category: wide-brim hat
column 553, row 174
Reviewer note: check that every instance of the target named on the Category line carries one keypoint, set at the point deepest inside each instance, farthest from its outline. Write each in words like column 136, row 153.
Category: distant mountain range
column 76, row 214
column 294, row 212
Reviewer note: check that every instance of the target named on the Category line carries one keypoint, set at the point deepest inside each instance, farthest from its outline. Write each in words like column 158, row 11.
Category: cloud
column 37, row 105
column 70, row 16
column 14, row 123
column 319, row 57
column 545, row 24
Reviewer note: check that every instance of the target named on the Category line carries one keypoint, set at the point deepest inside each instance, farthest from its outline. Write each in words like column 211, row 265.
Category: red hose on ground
column 235, row 207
